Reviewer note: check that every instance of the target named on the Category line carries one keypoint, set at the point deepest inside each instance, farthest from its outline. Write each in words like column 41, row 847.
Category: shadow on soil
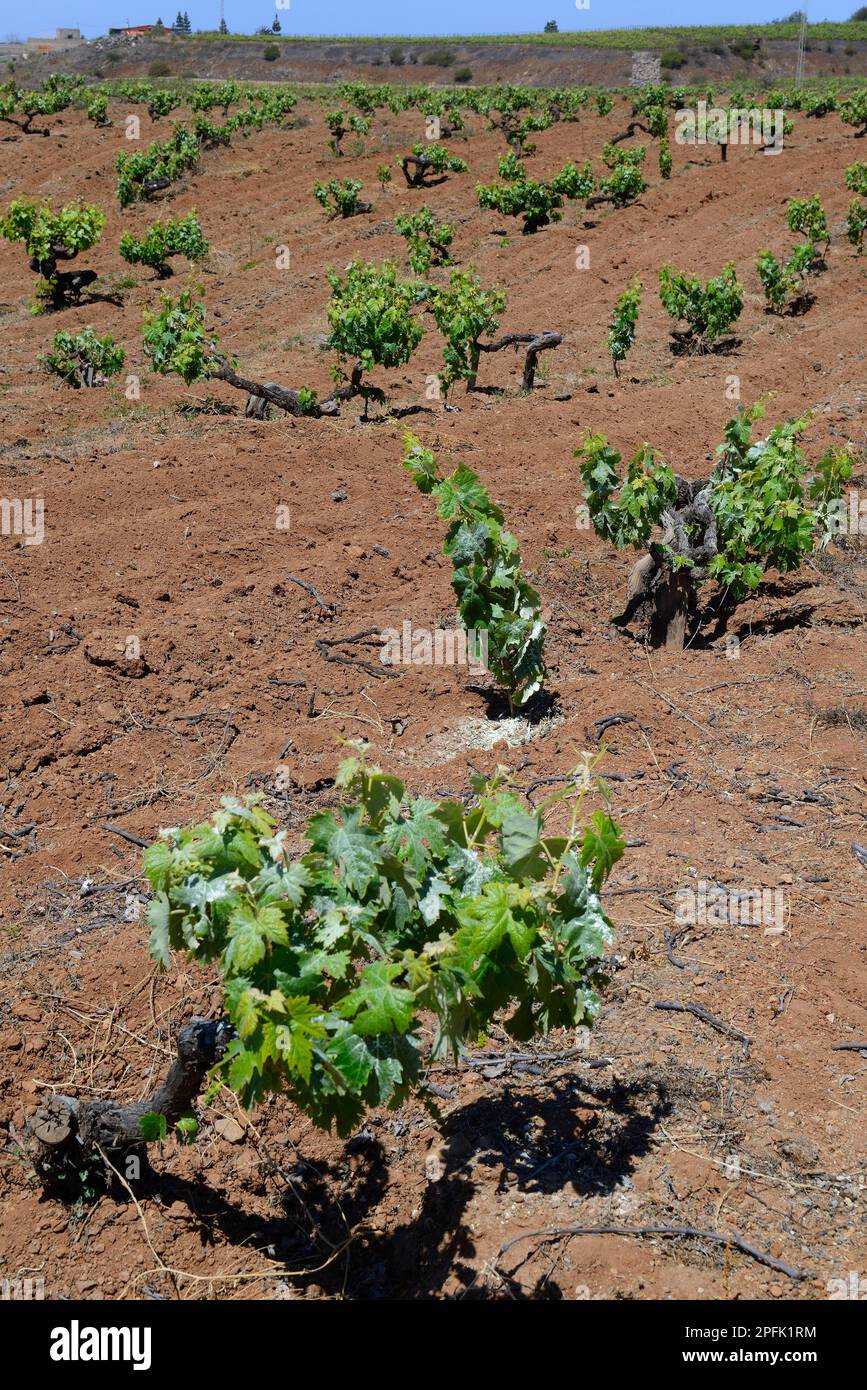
column 577, row 1136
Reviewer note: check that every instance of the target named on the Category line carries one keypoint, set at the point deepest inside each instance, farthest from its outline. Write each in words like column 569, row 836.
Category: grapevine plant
column 339, row 125
column 517, row 132
column 372, row 325
column 510, row 167
column 427, row 240
column 431, row 159
column 538, row 203
column 83, row 359
column 207, row 95
column 19, row 106
column 806, row 215
column 494, row 597
column 463, row 310
column 626, row 181
column 97, row 109
column 176, row 341
column 340, row 199
column 141, row 173
column 268, row 106
column 856, row 224
column 783, row 283
column 709, row 310
column 50, row 237
column 211, row 136
column 621, row 187
column 657, row 122
column 363, row 96
column 856, row 217
column 400, row 931
column 370, row 313
column 621, row 332
column 854, row 112
column 162, row 102
column 820, row 105
column 856, row 178
column 760, row 509
column 651, row 97
column 180, row 236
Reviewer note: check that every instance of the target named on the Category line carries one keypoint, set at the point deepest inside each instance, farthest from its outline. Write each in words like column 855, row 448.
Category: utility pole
column 802, row 43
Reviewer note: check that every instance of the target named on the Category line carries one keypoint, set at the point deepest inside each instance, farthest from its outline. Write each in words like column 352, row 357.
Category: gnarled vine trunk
column 422, row 166
column 262, row 394
column 662, row 596
column 66, row 285
column 64, row 1131
column 536, row 343
column 630, row 130
column 27, row 128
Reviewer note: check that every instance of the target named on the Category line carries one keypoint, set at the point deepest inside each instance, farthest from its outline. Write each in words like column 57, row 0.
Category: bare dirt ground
column 747, row 772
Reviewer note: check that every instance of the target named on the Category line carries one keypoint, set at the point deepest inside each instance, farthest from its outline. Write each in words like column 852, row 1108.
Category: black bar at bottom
column 152, row 1338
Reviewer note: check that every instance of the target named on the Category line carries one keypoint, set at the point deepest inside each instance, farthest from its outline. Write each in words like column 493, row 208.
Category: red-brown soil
column 747, row 772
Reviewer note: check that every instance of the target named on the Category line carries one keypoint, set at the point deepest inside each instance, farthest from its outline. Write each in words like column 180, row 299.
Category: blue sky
column 93, row 17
